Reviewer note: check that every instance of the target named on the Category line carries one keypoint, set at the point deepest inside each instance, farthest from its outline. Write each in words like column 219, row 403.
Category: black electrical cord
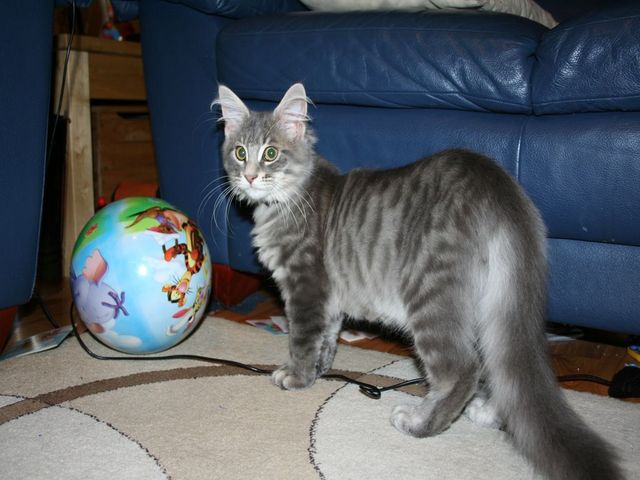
column 45, row 310
column 580, row 377
column 36, row 294
column 64, row 79
column 371, row 391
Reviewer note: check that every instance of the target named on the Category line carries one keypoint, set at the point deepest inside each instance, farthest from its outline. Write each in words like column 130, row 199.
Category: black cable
column 44, row 309
column 580, row 377
column 36, row 294
column 64, row 79
column 371, row 391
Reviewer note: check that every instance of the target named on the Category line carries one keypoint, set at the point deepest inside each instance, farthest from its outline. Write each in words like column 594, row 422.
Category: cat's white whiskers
column 279, row 206
column 222, row 189
column 306, row 198
column 235, row 192
column 295, row 196
column 283, row 200
column 207, row 196
column 303, row 213
column 223, row 196
column 287, row 201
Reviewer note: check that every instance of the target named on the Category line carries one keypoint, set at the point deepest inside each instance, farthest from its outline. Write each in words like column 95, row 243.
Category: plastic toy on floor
column 140, row 275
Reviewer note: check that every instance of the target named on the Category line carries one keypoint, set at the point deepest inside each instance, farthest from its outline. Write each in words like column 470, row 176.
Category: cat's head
column 268, row 156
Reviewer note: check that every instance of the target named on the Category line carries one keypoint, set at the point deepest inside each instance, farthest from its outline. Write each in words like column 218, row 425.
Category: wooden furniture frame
column 98, row 70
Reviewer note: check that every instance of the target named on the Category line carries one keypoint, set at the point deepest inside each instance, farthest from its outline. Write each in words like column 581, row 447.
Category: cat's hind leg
column 481, row 411
column 452, row 367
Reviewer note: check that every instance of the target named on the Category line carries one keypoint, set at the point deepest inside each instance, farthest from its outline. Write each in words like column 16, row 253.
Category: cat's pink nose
column 250, row 178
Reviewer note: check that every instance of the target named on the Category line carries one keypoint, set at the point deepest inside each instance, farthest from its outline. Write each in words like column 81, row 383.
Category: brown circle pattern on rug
column 57, row 397
column 348, row 438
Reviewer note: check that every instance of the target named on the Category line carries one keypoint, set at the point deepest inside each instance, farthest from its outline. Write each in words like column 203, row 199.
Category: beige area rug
column 64, row 415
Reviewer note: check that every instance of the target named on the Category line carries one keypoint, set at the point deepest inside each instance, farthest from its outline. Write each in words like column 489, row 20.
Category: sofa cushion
column 475, row 61
column 582, row 172
column 590, row 63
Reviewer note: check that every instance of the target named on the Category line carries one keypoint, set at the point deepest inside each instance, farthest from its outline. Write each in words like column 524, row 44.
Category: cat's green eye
column 270, row 154
column 241, row 153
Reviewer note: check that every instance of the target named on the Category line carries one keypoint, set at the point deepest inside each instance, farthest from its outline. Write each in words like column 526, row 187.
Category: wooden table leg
column 78, row 197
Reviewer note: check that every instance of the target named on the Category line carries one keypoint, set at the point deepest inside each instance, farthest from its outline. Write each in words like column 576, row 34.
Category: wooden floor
column 597, row 354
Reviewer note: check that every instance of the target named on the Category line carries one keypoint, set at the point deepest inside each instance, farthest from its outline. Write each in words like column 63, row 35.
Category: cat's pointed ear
column 234, row 111
column 291, row 113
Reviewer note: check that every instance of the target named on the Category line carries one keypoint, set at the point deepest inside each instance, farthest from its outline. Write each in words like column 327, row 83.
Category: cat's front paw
column 289, row 378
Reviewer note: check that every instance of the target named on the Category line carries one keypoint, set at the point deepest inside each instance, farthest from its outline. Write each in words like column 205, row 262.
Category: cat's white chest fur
column 265, row 240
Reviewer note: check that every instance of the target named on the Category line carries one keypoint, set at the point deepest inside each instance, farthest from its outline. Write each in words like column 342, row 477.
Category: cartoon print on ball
column 98, row 302
column 189, row 314
column 193, row 251
column 169, row 222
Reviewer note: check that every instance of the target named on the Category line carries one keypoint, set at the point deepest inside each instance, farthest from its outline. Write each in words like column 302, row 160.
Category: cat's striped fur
column 448, row 249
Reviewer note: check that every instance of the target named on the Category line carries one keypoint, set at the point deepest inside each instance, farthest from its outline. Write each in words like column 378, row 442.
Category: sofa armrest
column 128, row 9
column 582, row 65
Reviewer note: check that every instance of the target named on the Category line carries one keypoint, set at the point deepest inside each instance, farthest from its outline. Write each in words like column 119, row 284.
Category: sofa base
column 231, row 286
column 7, row 316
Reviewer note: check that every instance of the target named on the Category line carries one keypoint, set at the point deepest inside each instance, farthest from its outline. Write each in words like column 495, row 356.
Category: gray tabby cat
column 448, row 249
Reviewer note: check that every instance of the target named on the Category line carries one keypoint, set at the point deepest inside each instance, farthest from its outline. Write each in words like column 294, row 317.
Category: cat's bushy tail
column 524, row 390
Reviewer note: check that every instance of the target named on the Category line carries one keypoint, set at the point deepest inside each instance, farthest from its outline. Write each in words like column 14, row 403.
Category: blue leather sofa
column 560, row 109
column 26, row 57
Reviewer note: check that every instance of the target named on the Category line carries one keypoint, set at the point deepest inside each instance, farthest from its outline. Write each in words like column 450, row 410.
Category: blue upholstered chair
column 26, row 57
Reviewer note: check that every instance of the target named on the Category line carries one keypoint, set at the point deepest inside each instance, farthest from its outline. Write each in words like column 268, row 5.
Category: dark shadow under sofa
column 559, row 108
